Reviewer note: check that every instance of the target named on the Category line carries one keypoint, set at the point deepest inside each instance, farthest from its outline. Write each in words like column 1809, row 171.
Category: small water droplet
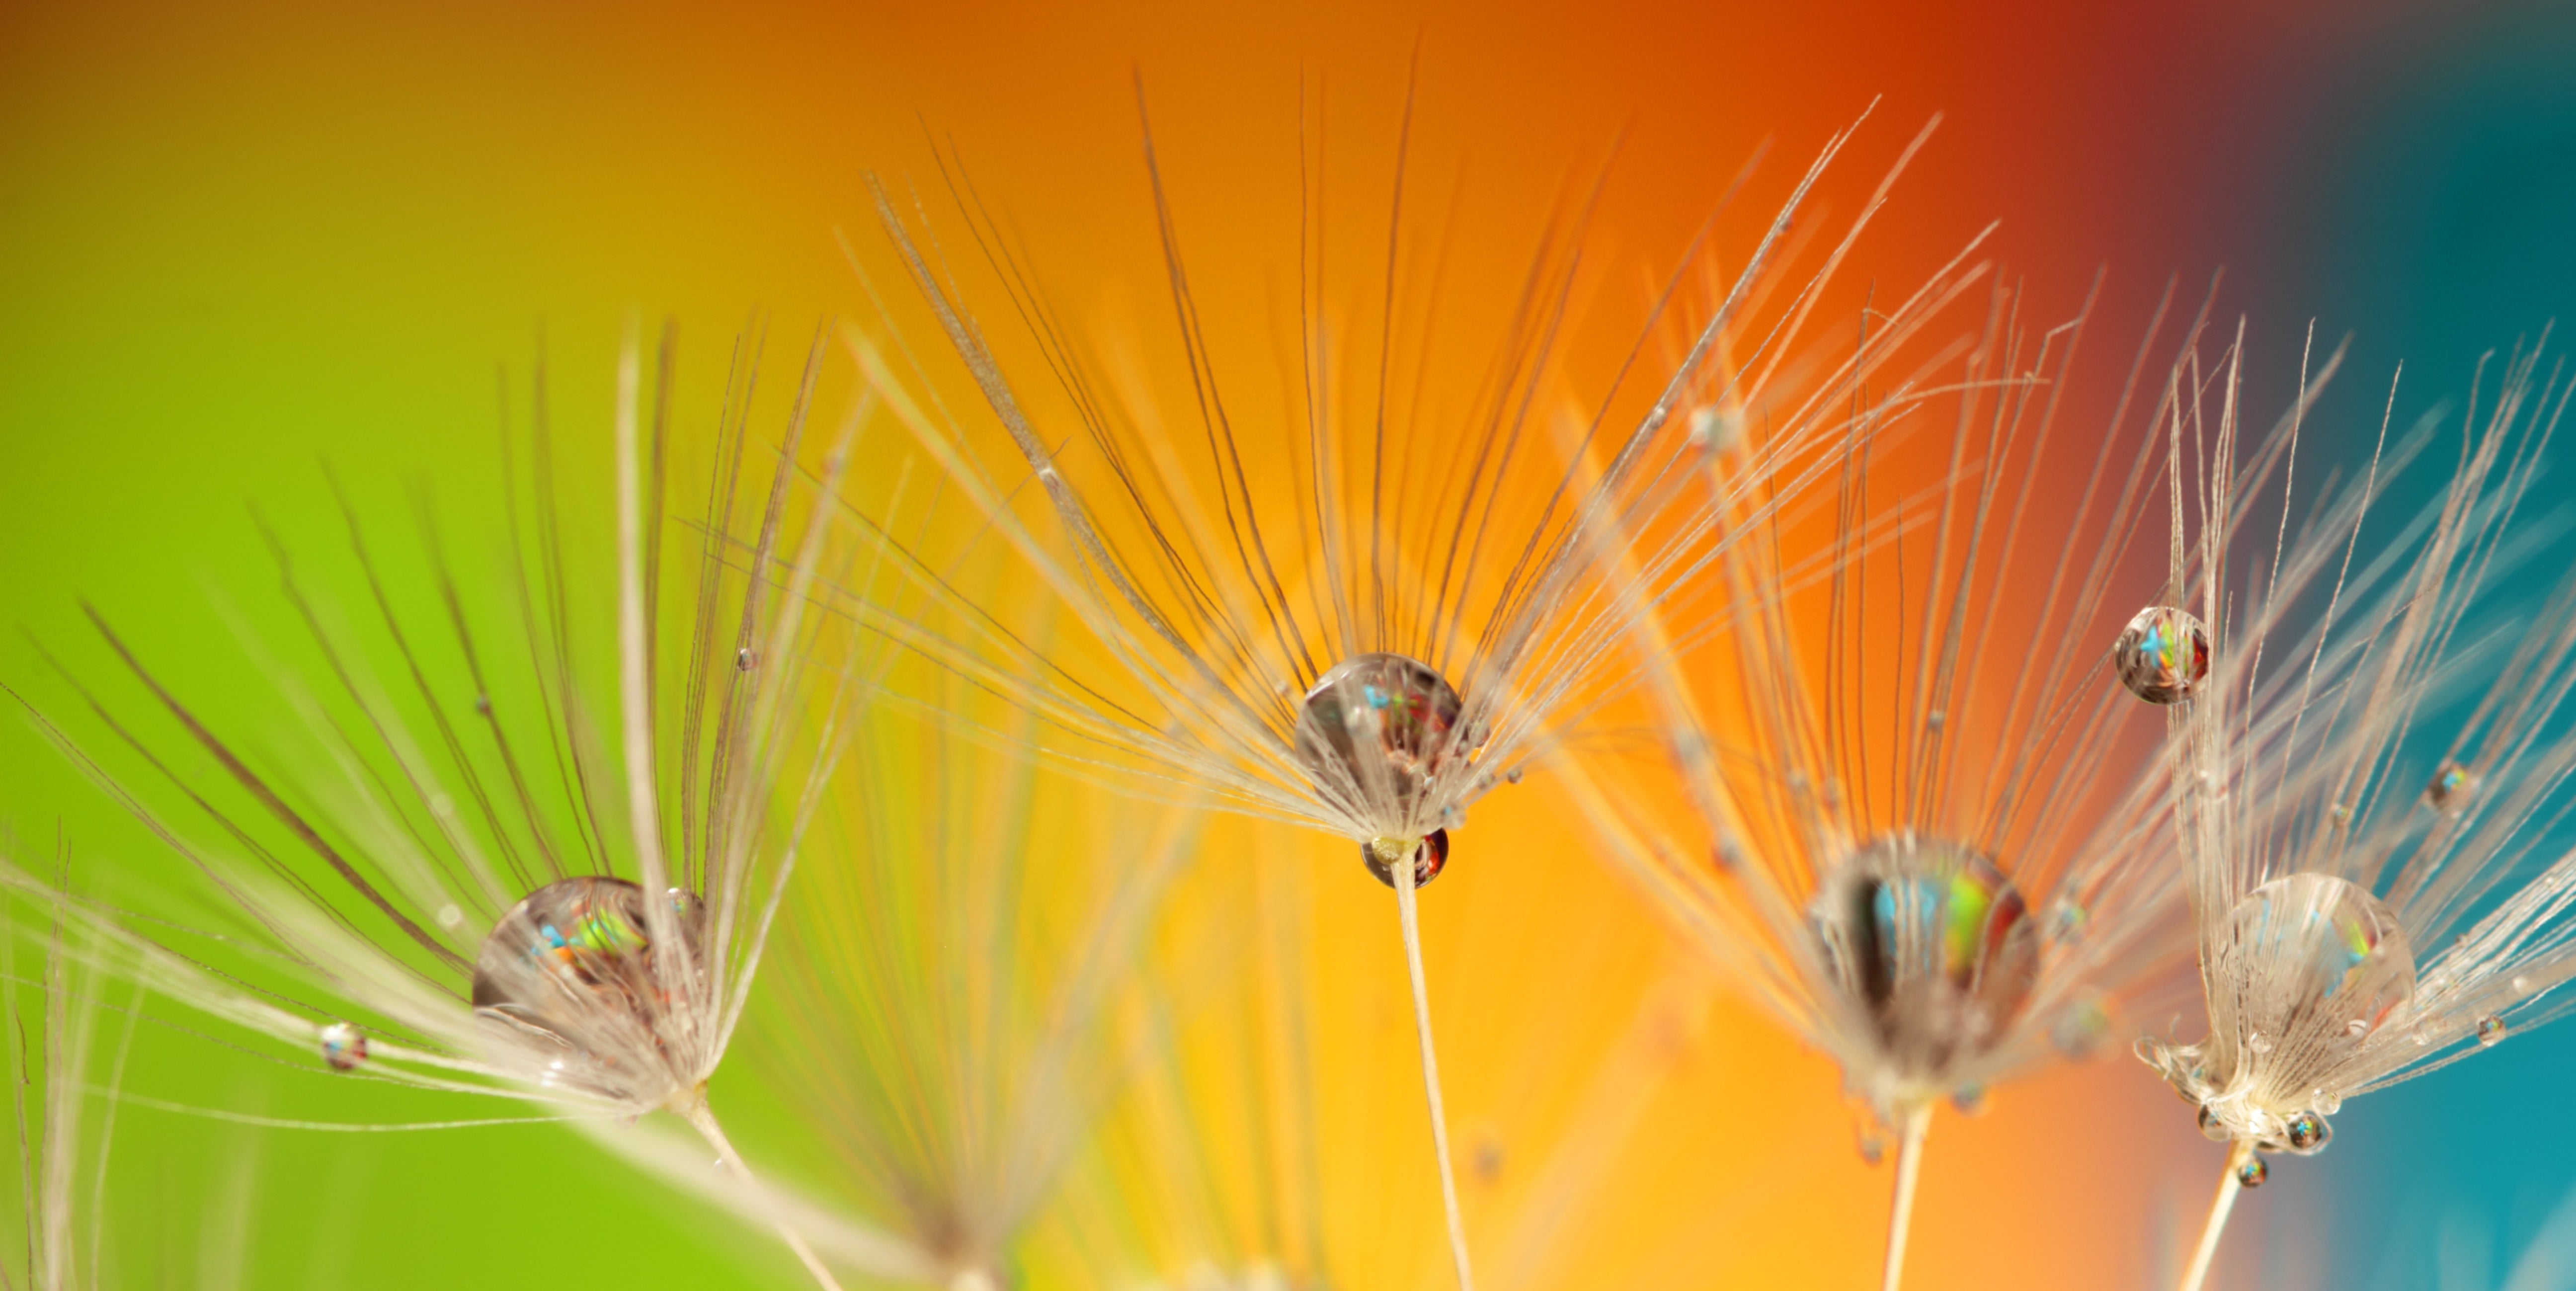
column 2307, row 1133
column 2357, row 1028
column 2213, row 1129
column 2252, row 1173
column 449, row 916
column 1936, row 719
column 1873, row 1146
column 2491, row 1030
column 2450, row 788
column 1971, row 1100
column 1375, row 733
column 744, row 659
column 483, row 705
column 343, row 1046
column 2163, row 655
column 2259, row 1042
column 1513, row 776
column 2521, row 984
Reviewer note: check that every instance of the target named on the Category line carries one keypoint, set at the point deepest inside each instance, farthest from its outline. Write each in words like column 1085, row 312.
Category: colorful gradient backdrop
column 234, row 245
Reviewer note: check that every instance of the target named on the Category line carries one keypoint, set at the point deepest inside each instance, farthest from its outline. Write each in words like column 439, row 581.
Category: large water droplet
column 1934, row 942
column 1374, row 733
column 2451, row 788
column 2312, row 954
column 2163, row 655
column 2252, row 1173
column 344, row 1046
column 566, row 983
column 2212, row 1129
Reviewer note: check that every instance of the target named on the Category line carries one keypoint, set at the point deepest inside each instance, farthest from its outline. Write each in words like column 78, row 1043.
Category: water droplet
column 343, row 1046
column 2340, row 814
column 2491, row 1030
column 1971, row 1100
column 1430, row 855
column 2307, row 1133
column 2067, row 919
column 1513, row 776
column 2451, row 787
column 2163, row 655
column 2314, row 955
column 2252, row 1173
column 1375, row 733
column 1934, row 942
column 1935, row 719
column 2521, row 984
column 1873, row 1145
column 744, row 659
column 2081, row 1029
column 449, row 916
column 1488, row 1159
column 2213, row 1129
column 483, row 705
column 566, row 983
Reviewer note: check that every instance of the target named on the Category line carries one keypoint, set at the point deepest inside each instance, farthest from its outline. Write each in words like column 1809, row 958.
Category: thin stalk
column 1402, row 870
column 704, row 1122
column 1909, row 1168
column 2226, row 1201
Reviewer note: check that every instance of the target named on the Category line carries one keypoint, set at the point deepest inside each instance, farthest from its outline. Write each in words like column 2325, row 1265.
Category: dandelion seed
column 2314, row 941
column 1363, row 676
column 490, row 931
column 1937, row 904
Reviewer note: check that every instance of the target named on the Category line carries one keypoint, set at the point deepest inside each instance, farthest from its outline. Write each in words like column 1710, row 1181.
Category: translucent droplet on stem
column 2163, row 655
column 1430, row 855
column 2252, row 1173
column 2491, row 1030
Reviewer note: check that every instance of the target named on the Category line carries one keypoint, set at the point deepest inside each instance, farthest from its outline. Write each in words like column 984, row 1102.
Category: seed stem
column 1402, row 869
column 1909, row 1168
column 2225, row 1202
column 704, row 1122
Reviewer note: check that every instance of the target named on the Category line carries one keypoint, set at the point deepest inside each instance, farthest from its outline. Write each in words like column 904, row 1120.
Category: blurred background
column 238, row 245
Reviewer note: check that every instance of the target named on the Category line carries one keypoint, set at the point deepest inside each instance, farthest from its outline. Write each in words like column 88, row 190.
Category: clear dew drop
column 2307, row 1133
column 2451, row 788
column 2491, row 1030
column 2322, row 964
column 483, row 705
column 2163, row 655
column 1375, row 733
column 566, row 984
column 1971, row 1100
column 1933, row 942
column 2521, row 984
column 2252, row 1173
column 744, row 660
column 449, row 916
column 344, row 1046
column 2213, row 1129
column 1513, row 776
